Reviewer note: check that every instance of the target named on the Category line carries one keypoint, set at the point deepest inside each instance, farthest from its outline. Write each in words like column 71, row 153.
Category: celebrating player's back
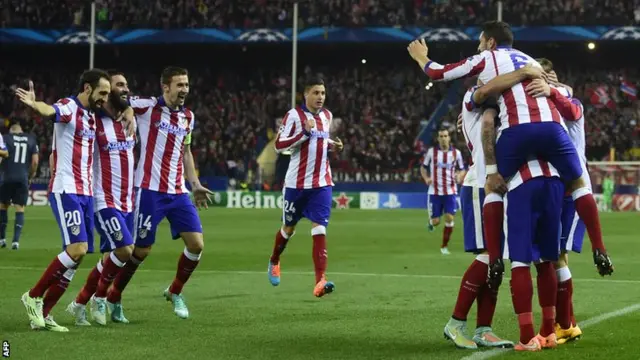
column 307, row 191
column 17, row 171
column 442, row 161
column 165, row 127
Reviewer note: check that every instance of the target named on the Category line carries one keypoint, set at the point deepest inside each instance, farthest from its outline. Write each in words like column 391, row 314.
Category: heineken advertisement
column 361, row 200
column 273, row 200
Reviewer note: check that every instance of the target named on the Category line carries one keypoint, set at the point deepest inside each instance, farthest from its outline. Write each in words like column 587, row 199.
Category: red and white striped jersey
column 472, row 131
column 442, row 166
column 114, row 165
column 309, row 166
column 74, row 134
column 532, row 169
column 572, row 112
column 163, row 134
column 516, row 106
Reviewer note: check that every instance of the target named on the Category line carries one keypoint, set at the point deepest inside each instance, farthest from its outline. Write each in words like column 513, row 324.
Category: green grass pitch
column 394, row 293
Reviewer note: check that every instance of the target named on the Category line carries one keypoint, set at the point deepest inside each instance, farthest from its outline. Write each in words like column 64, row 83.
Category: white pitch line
column 305, row 273
column 583, row 324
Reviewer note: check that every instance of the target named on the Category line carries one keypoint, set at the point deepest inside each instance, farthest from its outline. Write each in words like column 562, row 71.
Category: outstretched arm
column 471, row 66
column 28, row 97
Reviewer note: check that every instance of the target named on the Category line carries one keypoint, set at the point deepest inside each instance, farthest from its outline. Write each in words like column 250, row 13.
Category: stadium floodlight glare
column 591, row 45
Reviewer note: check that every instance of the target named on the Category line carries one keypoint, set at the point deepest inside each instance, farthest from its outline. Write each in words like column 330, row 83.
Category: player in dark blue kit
column 17, row 171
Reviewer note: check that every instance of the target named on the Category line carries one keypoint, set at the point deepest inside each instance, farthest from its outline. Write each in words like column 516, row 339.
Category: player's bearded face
column 119, row 92
column 179, row 89
column 99, row 95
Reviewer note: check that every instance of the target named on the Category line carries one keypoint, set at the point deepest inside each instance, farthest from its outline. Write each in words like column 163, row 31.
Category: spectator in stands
column 278, row 13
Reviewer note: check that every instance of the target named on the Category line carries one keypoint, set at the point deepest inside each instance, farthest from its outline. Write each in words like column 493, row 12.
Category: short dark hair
column 114, row 72
column 500, row 31
column 442, row 128
column 313, row 82
column 546, row 64
column 169, row 72
column 92, row 77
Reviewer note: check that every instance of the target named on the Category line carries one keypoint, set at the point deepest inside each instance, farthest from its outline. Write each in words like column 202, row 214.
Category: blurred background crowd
column 380, row 107
column 115, row 14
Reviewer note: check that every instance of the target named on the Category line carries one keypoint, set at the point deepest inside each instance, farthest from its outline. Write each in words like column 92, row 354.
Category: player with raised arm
column 113, row 203
column 71, row 188
column 17, row 171
column 442, row 170
column 308, row 184
column 165, row 126
column 529, row 126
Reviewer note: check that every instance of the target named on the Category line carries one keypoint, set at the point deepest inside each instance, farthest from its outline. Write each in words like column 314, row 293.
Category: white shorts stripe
column 60, row 209
column 136, row 215
column 477, row 218
column 104, row 228
column 572, row 232
column 505, row 253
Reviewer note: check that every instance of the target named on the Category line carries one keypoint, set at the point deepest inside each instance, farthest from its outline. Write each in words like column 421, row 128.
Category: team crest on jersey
column 75, row 230
column 142, row 233
column 117, row 236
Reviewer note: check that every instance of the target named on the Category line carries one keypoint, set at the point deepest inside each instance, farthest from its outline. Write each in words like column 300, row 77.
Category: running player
column 529, row 127
column 307, row 189
column 113, row 204
column 442, row 161
column 165, row 126
column 17, row 171
column 71, row 190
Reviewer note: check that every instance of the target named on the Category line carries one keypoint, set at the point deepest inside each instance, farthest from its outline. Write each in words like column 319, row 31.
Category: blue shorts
column 74, row 214
column 442, row 204
column 115, row 228
column 548, row 141
column 532, row 218
column 152, row 206
column 471, row 199
column 313, row 204
column 573, row 228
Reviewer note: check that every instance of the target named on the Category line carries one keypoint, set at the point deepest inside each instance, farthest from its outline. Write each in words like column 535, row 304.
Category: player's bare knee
column 4, row 206
column 124, row 253
column 435, row 221
column 141, row 252
column 289, row 230
column 577, row 184
column 194, row 242
column 19, row 208
column 448, row 218
column 77, row 251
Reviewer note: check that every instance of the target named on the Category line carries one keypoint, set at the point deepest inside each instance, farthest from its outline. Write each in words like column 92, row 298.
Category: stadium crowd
column 117, row 14
column 237, row 115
